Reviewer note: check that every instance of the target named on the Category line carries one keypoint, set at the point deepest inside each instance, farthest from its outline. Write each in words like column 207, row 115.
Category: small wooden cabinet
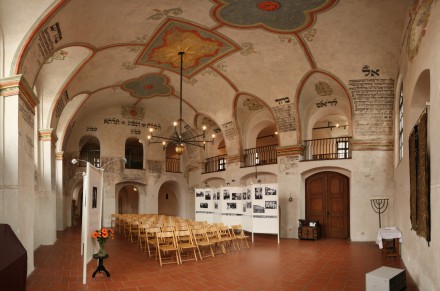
column 309, row 229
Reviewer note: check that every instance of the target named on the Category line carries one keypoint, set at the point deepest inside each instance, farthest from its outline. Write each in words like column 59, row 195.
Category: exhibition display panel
column 255, row 207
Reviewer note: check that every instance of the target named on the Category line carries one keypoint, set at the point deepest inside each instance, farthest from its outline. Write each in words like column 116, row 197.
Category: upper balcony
column 264, row 155
column 214, row 164
column 327, row 149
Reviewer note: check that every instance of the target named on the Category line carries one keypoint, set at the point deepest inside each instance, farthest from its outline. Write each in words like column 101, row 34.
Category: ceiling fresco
column 201, row 47
column 287, row 59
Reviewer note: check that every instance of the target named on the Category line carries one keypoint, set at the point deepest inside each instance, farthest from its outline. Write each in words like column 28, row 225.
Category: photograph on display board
column 244, row 195
column 214, row 196
column 271, row 204
column 218, row 195
column 226, row 194
column 95, row 197
column 248, row 192
column 270, row 191
column 258, row 209
column 215, row 205
column 199, row 194
column 231, row 205
column 249, row 204
column 236, row 196
column 203, row 205
column 259, row 193
column 207, row 195
column 244, row 207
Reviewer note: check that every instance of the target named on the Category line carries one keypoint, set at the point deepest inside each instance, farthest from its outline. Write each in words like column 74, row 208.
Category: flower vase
column 101, row 251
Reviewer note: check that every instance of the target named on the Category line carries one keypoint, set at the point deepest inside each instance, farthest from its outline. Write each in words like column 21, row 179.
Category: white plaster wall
column 419, row 258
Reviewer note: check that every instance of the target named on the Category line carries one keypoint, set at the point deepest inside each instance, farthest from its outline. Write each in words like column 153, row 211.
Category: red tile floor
column 291, row 265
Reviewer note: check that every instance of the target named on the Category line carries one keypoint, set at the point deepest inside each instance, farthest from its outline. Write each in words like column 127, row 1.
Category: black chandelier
column 177, row 139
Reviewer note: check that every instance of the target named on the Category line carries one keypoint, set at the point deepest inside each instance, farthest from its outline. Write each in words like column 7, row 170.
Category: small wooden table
column 389, row 239
column 100, row 265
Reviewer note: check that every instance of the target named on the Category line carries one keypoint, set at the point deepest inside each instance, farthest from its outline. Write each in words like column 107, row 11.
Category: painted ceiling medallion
column 269, row 5
column 133, row 112
column 420, row 16
column 148, row 86
column 252, row 104
column 201, row 46
column 281, row 16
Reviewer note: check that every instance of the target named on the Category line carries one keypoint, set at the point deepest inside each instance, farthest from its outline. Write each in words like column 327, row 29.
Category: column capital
column 47, row 135
column 17, row 85
column 59, row 155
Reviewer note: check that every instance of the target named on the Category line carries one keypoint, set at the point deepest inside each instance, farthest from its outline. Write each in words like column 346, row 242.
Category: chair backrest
column 166, row 237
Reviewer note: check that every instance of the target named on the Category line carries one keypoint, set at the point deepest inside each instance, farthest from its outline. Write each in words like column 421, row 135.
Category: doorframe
column 311, row 172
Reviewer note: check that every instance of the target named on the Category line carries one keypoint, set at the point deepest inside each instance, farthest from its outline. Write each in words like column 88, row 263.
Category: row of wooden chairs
column 176, row 240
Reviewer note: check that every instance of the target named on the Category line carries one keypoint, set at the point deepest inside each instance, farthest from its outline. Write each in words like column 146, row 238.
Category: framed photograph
column 226, row 195
column 270, row 191
column 236, row 196
column 270, row 204
column 258, row 209
column 199, row 194
column 259, row 193
column 231, row 205
column 207, row 195
column 215, row 205
column 95, row 197
column 203, row 205
column 244, row 195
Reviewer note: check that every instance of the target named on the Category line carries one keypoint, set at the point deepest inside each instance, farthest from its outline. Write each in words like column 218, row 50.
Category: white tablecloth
column 388, row 233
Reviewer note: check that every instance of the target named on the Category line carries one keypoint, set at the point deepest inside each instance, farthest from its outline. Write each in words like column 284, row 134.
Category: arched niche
column 252, row 115
column 128, row 200
column 322, row 98
column 90, row 151
column 261, row 178
column 134, row 153
column 421, row 95
column 167, row 198
column 214, row 182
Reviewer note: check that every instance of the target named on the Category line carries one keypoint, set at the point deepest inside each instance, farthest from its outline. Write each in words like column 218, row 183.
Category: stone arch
column 167, row 198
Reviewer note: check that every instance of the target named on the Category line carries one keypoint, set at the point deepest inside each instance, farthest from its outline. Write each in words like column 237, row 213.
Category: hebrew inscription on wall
column 229, row 130
column 284, row 115
column 373, row 106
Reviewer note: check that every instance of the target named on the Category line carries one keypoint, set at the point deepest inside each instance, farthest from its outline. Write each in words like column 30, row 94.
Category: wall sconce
column 290, row 198
column 227, row 184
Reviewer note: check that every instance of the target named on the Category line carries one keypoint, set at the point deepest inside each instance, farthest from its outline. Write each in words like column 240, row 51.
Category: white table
column 390, row 233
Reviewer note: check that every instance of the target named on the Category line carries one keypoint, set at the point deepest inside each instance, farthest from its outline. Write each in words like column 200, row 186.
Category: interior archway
column 128, row 200
column 167, row 199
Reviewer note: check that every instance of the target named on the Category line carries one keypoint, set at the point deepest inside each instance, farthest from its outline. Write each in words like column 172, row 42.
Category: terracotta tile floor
column 292, row 265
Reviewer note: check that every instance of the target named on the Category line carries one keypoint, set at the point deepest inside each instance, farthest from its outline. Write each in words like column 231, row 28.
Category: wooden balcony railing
column 327, row 149
column 215, row 164
column 172, row 165
column 265, row 155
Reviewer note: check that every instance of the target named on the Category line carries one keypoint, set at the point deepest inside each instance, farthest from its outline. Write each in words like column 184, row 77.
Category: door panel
column 327, row 195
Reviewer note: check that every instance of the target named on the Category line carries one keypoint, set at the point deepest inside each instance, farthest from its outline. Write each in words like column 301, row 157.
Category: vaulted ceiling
column 84, row 56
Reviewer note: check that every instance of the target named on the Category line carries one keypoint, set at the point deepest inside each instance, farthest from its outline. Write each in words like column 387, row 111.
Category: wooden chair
column 134, row 230
column 166, row 245
column 226, row 237
column 202, row 242
column 240, row 237
column 186, row 245
column 150, row 239
column 215, row 239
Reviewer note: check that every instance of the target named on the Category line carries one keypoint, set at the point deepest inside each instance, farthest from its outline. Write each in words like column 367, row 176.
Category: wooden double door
column 327, row 200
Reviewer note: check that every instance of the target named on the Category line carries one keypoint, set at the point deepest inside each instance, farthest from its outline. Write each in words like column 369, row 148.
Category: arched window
column 401, row 123
column 134, row 153
column 90, row 151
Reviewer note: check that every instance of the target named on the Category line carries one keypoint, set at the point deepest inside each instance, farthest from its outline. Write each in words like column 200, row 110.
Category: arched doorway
column 327, row 200
column 128, row 200
column 167, row 199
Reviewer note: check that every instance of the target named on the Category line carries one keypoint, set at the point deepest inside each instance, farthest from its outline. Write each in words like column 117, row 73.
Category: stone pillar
column 46, row 217
column 63, row 210
column 17, row 168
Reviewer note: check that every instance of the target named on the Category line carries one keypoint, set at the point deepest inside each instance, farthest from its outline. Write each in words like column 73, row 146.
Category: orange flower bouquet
column 101, row 236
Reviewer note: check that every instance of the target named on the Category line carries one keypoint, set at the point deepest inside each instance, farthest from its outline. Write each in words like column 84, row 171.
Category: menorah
column 379, row 205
